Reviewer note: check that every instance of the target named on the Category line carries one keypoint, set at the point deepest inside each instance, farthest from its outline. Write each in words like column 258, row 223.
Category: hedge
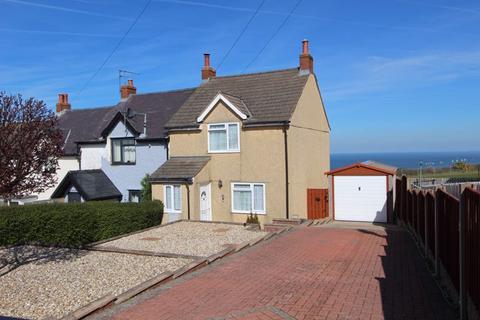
column 75, row 224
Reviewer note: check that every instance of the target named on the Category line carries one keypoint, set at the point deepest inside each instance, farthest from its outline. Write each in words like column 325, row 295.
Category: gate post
column 425, row 218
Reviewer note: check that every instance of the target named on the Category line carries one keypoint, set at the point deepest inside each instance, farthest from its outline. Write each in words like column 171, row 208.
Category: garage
column 362, row 192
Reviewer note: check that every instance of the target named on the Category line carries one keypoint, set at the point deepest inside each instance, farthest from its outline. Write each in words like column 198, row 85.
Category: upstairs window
column 223, row 137
column 123, row 151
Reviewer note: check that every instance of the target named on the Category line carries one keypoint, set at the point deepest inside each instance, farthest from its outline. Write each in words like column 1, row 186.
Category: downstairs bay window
column 248, row 198
column 172, row 198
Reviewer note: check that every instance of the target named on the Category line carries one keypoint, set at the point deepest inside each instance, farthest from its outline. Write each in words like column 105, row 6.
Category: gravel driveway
column 187, row 238
column 51, row 282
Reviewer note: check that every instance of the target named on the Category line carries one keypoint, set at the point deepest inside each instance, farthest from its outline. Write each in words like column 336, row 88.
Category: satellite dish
column 130, row 113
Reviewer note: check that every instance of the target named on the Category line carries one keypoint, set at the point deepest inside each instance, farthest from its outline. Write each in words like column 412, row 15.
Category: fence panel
column 409, row 207
column 472, row 244
column 421, row 216
column 398, row 200
column 448, row 234
column 414, row 210
column 418, row 210
column 404, row 200
column 430, row 221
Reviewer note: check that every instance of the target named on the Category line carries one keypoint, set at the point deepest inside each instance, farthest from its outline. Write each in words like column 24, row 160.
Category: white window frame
column 225, row 124
column 172, row 200
column 252, row 190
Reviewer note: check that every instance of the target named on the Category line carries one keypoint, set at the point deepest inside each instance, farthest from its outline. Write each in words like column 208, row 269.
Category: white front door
column 206, row 202
column 360, row 198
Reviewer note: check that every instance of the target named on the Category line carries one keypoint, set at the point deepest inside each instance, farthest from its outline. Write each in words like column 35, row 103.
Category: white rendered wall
column 65, row 164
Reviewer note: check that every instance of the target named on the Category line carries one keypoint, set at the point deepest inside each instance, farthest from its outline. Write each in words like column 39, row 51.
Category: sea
column 407, row 160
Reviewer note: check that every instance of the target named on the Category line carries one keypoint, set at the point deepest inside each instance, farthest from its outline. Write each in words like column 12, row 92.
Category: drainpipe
column 188, row 200
column 287, row 203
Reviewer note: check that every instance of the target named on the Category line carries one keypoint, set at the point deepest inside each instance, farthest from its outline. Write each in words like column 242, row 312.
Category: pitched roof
column 238, row 102
column 88, row 124
column 82, row 125
column 268, row 96
column 380, row 165
column 159, row 107
column 179, row 169
column 91, row 184
column 380, row 168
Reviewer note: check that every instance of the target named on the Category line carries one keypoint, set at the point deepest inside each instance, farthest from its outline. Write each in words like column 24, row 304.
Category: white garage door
column 360, row 198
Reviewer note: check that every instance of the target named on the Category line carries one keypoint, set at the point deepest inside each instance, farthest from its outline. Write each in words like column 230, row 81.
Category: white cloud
column 383, row 73
column 65, row 9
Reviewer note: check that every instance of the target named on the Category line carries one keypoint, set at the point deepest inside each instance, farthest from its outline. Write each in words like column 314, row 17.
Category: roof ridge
column 120, row 102
column 167, row 91
column 88, row 109
column 86, row 170
column 255, row 73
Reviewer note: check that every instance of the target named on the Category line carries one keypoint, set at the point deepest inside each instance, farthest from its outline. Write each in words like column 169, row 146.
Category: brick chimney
column 207, row 71
column 62, row 103
column 127, row 89
column 306, row 59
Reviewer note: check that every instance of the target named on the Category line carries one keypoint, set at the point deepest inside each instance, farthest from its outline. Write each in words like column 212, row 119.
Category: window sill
column 224, row 151
column 173, row 212
column 123, row 163
column 248, row 213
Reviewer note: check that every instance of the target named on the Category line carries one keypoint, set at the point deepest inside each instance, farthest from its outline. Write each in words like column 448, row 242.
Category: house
column 124, row 142
column 363, row 192
column 249, row 143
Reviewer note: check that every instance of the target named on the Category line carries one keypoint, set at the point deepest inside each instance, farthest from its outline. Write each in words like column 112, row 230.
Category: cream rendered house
column 246, row 143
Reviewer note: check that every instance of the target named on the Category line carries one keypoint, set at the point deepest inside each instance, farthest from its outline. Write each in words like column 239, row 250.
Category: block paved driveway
column 307, row 273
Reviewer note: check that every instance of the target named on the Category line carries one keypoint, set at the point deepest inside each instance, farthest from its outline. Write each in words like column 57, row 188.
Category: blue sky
column 394, row 75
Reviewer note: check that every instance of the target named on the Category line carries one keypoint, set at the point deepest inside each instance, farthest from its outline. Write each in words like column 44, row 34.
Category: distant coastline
column 407, row 160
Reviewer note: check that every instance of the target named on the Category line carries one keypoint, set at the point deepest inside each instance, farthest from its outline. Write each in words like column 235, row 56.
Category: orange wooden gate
column 317, row 203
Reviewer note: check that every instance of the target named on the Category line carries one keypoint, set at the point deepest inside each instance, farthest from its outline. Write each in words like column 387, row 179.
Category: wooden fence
column 448, row 228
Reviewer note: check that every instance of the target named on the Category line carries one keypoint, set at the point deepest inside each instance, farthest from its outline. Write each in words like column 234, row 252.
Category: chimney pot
column 305, row 46
column 206, row 59
column 207, row 71
column 306, row 59
column 62, row 103
column 127, row 89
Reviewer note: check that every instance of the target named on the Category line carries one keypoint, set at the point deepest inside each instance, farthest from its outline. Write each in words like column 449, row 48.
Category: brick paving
column 309, row 273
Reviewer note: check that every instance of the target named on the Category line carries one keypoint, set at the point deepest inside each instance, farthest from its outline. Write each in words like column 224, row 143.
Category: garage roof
column 365, row 168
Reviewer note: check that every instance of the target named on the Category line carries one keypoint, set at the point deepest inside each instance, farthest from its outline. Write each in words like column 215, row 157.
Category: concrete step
column 270, row 227
column 287, row 221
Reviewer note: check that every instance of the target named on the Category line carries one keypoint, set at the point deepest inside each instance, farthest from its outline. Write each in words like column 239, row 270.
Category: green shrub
column 75, row 224
column 146, row 192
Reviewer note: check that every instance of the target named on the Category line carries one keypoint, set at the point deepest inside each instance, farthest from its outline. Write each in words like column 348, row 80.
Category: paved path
column 308, row 273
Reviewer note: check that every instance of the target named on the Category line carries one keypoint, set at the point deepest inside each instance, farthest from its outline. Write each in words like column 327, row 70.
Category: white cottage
column 125, row 141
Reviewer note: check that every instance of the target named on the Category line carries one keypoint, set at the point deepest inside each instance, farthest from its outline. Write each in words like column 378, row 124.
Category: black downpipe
column 287, row 203
column 167, row 147
column 188, row 200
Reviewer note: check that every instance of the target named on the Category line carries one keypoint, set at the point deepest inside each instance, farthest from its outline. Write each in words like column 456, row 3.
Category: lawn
column 442, row 173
